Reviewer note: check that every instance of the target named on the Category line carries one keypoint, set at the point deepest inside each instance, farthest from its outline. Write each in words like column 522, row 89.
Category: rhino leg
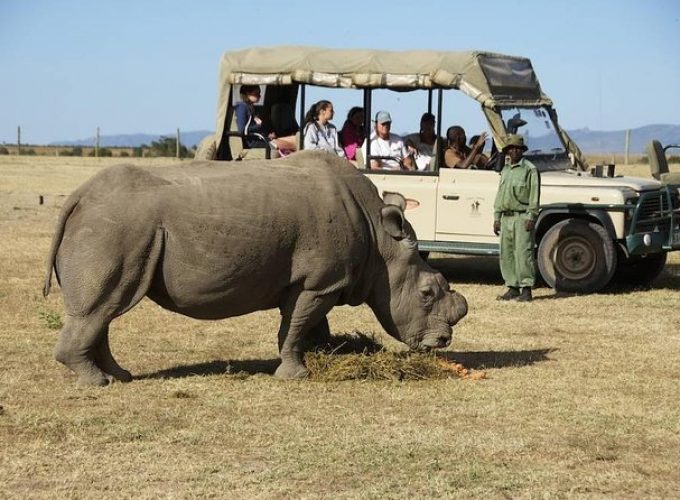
column 318, row 336
column 93, row 298
column 104, row 360
column 299, row 315
column 77, row 346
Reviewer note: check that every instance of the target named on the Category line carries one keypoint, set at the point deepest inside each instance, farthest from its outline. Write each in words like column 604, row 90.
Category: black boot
column 511, row 293
column 525, row 295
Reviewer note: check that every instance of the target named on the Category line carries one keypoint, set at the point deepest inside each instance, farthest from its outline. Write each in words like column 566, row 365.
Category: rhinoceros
column 212, row 240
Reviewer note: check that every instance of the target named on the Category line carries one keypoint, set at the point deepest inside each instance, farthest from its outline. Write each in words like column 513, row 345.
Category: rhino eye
column 427, row 295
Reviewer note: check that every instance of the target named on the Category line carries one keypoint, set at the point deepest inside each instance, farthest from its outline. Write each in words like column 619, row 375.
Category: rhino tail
column 66, row 211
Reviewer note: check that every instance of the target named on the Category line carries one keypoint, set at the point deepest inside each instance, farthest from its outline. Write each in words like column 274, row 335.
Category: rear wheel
column 577, row 256
column 640, row 270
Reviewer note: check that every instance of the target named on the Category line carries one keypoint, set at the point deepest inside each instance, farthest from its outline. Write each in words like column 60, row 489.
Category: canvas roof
column 488, row 77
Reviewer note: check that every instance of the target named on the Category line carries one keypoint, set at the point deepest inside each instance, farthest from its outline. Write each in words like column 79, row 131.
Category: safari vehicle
column 593, row 223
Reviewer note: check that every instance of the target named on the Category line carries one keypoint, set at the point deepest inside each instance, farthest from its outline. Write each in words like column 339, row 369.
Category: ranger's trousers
column 518, row 265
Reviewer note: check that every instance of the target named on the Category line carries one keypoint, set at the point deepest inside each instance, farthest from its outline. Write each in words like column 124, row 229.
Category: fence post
column 96, row 145
column 627, row 146
column 177, row 145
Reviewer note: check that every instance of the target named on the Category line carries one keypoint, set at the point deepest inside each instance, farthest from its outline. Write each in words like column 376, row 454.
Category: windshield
column 546, row 149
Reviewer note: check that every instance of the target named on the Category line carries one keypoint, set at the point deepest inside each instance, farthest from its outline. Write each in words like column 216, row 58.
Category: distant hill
column 590, row 141
column 593, row 141
column 189, row 139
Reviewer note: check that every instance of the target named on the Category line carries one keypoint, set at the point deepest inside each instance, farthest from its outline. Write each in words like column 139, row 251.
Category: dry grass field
column 581, row 398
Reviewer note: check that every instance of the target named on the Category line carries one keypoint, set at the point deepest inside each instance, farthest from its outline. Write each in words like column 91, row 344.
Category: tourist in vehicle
column 514, row 218
column 459, row 155
column 386, row 144
column 352, row 133
column 422, row 144
column 247, row 122
column 319, row 132
column 473, row 140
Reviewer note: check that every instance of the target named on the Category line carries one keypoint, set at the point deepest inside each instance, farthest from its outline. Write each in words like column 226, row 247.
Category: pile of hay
column 359, row 357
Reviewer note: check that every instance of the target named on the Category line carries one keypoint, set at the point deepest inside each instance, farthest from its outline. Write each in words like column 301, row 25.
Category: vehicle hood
column 584, row 179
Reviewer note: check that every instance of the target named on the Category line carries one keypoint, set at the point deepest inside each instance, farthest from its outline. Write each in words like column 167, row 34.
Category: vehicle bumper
column 655, row 223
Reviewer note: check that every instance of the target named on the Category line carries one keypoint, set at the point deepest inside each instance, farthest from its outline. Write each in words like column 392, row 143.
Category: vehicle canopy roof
column 490, row 78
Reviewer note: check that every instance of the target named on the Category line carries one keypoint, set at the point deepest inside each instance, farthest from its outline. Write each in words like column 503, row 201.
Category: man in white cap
column 386, row 144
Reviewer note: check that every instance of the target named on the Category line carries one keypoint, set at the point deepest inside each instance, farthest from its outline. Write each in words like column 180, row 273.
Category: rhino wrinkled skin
column 213, row 240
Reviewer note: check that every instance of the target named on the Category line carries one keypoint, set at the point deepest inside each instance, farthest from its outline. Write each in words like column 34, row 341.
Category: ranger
column 515, row 212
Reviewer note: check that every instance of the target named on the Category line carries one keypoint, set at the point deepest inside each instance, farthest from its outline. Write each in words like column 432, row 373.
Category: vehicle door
column 464, row 205
column 418, row 186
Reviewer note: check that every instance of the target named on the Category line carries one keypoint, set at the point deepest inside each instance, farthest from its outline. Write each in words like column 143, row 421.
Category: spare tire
column 576, row 256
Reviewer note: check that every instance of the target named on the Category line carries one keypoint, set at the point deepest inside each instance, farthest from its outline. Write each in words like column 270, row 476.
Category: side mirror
column 515, row 123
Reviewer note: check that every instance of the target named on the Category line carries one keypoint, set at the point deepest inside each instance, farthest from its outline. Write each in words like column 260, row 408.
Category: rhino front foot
column 291, row 370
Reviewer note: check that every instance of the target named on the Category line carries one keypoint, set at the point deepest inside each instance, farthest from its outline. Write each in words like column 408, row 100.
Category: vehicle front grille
column 654, row 211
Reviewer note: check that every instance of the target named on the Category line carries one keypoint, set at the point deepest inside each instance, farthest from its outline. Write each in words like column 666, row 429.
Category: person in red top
column 352, row 133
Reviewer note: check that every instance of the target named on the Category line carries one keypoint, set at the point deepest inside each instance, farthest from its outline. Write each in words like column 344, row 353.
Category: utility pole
column 19, row 140
column 96, row 145
column 627, row 146
column 177, row 145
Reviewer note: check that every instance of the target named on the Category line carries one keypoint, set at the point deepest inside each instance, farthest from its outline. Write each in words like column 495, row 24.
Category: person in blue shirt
column 247, row 122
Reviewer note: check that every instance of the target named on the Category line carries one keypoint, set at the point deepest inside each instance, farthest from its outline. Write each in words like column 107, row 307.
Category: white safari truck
column 593, row 222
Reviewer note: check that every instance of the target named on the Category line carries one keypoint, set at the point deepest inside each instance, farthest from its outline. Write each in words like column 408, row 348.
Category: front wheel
column 576, row 256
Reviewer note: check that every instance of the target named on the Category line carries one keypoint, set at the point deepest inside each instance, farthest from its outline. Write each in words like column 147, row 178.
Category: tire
column 206, row 149
column 576, row 256
column 640, row 270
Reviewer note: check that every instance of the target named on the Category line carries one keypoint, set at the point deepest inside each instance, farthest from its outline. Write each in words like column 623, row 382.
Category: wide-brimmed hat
column 514, row 140
column 383, row 117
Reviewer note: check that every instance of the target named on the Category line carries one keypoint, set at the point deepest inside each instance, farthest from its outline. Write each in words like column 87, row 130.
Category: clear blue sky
column 128, row 66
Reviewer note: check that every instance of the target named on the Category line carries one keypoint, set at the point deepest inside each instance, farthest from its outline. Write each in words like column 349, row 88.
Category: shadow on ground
column 464, row 269
column 471, row 360
column 216, row 367
column 486, row 271
column 498, row 359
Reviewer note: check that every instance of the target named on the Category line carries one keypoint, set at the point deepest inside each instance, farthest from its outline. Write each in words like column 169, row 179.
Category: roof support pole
column 367, row 126
column 301, row 121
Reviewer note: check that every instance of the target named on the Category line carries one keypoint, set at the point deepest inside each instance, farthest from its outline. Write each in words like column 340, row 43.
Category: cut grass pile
column 360, row 357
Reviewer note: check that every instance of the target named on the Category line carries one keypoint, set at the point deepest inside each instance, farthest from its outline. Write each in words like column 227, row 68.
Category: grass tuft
column 51, row 319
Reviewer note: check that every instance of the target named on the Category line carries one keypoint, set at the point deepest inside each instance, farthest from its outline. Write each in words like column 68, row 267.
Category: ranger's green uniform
column 517, row 200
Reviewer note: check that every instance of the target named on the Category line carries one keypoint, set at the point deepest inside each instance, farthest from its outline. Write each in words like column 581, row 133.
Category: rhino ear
column 391, row 198
column 393, row 221
column 397, row 199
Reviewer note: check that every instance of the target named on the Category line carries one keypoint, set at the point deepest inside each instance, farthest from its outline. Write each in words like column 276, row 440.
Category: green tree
column 102, row 152
column 167, row 146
